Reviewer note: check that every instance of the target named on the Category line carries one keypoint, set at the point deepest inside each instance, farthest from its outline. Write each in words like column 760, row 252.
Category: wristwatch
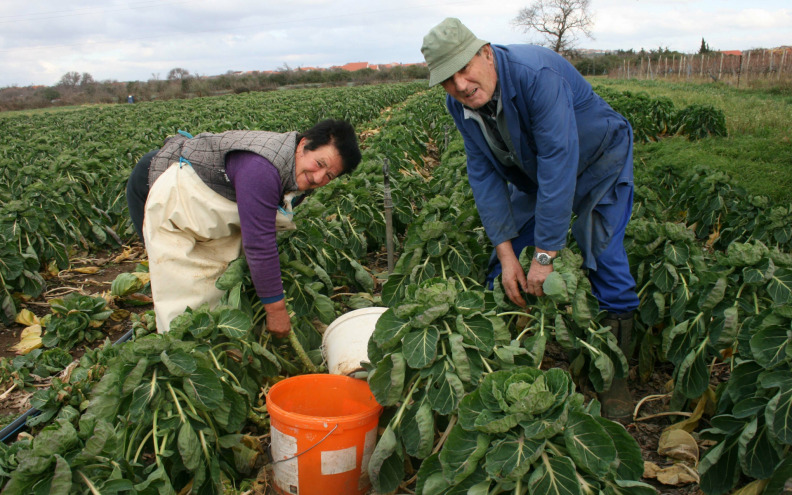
column 543, row 258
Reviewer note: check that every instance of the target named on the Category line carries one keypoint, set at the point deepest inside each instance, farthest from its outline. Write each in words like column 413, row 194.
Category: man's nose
column 459, row 82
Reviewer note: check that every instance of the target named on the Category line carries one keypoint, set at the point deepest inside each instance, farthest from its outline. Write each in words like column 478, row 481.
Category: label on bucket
column 339, row 461
column 285, row 472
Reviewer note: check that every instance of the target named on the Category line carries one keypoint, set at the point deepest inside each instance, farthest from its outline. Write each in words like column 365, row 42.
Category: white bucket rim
column 348, row 316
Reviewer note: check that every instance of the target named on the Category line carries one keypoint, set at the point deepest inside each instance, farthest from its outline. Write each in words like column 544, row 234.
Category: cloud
column 126, row 41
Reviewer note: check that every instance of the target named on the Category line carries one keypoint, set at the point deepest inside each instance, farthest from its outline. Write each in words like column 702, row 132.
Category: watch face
column 543, row 258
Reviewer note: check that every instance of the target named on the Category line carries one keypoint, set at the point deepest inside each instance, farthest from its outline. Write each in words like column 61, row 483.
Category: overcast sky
column 41, row 40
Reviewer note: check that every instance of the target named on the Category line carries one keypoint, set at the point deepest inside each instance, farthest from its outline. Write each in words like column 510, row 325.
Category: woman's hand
column 278, row 321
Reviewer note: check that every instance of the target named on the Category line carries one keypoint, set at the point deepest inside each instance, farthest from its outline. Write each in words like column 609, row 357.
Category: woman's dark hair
column 340, row 134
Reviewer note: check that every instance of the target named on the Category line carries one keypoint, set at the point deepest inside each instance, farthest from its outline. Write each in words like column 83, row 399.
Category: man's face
column 474, row 84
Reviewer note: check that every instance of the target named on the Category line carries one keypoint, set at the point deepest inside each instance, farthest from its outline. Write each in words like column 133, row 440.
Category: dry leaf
column 27, row 318
column 86, row 269
column 144, row 277
column 756, row 487
column 128, row 253
column 679, row 445
column 119, row 315
column 139, row 298
column 677, row 474
column 30, row 339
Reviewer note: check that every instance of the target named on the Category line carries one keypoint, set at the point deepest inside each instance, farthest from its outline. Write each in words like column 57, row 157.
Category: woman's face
column 315, row 168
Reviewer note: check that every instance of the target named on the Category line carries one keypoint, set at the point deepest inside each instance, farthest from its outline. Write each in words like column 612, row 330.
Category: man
column 541, row 145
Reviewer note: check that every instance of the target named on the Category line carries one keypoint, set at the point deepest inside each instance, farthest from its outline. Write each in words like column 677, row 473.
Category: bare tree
column 87, row 79
column 70, row 79
column 178, row 73
column 557, row 21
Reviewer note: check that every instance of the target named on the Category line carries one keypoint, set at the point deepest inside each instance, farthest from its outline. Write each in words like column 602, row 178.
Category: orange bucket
column 323, row 432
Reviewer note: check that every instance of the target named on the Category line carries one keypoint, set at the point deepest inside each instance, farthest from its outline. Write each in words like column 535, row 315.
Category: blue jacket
column 573, row 148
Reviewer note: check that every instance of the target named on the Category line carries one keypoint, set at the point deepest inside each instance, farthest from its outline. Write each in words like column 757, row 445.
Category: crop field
column 480, row 396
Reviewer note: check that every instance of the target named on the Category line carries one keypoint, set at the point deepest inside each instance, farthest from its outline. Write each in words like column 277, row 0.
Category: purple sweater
column 258, row 194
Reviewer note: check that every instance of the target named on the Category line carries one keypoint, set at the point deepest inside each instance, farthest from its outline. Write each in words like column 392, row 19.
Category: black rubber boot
column 621, row 326
column 618, row 402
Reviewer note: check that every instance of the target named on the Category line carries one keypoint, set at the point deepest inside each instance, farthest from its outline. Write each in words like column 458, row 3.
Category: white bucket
column 345, row 341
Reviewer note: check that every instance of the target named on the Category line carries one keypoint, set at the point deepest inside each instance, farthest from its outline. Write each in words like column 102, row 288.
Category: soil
column 651, row 395
column 108, row 266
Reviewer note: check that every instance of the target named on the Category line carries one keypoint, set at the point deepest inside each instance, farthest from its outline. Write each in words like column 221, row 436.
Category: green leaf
column 478, row 332
column 760, row 273
column 629, row 458
column 459, row 357
column 678, row 340
column 589, row 444
column 386, row 465
column 134, row 377
column 389, row 330
column 719, row 468
column 461, row 453
column 778, row 416
column 203, row 389
column 418, row 430
column 710, row 299
column 768, row 345
column 692, row 377
column 387, row 380
column 780, row 286
column 446, row 392
column 652, row 310
column 758, row 456
column 234, row 323
column 511, row 456
column 665, row 277
column 459, row 260
column 189, row 447
column 234, row 274
column 555, row 288
column 178, row 362
column 554, row 476
column 393, row 289
column 61, row 477
column 125, row 284
column 677, row 254
column 420, row 347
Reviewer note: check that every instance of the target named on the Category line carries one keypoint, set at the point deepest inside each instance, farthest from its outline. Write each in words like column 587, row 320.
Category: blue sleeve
column 555, row 132
column 490, row 190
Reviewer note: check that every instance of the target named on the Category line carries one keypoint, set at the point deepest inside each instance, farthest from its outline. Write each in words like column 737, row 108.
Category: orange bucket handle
column 295, row 456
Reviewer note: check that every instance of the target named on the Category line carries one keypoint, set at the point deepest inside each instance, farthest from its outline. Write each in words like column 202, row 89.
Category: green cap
column 447, row 48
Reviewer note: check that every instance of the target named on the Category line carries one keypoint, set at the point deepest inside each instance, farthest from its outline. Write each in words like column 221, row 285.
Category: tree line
column 76, row 88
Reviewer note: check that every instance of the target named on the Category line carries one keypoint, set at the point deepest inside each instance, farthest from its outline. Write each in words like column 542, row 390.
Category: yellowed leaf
column 30, row 339
column 677, row 474
column 679, row 445
column 144, row 277
column 128, row 253
column 27, row 318
column 756, row 487
column 119, row 315
column 650, row 470
column 86, row 269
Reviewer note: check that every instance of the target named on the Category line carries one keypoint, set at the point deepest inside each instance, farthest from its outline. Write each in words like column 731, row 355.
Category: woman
column 197, row 201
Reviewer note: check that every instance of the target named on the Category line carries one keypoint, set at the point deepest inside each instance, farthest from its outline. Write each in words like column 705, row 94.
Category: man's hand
column 513, row 276
column 538, row 273
column 278, row 322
